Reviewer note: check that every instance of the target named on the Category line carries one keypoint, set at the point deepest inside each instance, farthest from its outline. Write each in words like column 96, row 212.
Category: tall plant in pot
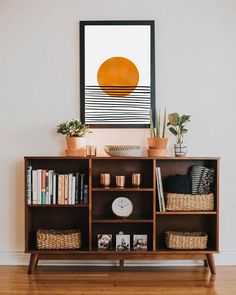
column 75, row 132
column 157, row 141
column 177, row 127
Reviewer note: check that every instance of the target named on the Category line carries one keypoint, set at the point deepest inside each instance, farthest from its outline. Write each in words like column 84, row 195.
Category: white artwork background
column 107, row 41
column 104, row 42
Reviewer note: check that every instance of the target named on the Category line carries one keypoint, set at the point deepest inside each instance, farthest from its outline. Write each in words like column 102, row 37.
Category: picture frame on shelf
column 104, row 241
column 140, row 242
column 117, row 80
column 122, row 242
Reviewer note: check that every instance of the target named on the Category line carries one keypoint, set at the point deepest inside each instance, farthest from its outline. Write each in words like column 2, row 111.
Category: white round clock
column 122, row 207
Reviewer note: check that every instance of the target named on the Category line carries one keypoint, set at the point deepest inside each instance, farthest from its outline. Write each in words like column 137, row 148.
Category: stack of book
column 45, row 187
column 160, row 192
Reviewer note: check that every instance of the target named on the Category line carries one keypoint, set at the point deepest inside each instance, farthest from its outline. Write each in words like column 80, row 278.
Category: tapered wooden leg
column 33, row 263
column 121, row 268
column 211, row 263
column 205, row 263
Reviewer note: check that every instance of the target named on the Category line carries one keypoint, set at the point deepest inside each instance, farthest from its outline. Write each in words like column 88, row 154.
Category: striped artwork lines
column 101, row 108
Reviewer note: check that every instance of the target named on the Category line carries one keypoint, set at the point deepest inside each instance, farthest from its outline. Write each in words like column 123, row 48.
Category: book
column 54, row 185
column 81, row 199
column 34, row 188
column 161, row 190
column 66, row 188
column 61, row 189
column 77, row 188
column 70, row 189
column 29, row 185
column 39, row 185
column 43, row 186
column 85, row 194
column 50, row 187
column 158, row 191
column 73, row 191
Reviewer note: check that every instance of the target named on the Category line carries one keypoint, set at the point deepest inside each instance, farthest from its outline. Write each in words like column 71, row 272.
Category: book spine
column 66, row 188
column 34, row 187
column 85, row 194
column 29, row 185
column 54, row 188
column 59, row 189
column 63, row 189
column 77, row 188
column 161, row 190
column 73, row 191
column 39, row 186
column 158, row 191
column 81, row 200
column 46, row 199
column 70, row 189
column 50, row 186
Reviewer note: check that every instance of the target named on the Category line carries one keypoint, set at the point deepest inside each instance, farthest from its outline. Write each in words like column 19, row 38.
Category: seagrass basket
column 185, row 202
column 58, row 239
column 186, row 240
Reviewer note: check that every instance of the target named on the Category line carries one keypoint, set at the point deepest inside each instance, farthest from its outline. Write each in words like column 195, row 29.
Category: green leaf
column 173, row 119
column 173, row 131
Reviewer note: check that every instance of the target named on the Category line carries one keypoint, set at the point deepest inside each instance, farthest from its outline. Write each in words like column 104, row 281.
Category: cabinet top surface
column 117, row 158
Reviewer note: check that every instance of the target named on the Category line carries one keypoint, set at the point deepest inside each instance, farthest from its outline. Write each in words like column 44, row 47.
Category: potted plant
column 157, row 141
column 177, row 127
column 75, row 132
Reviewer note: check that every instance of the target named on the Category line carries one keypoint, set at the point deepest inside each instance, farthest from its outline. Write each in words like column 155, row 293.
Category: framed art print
column 140, row 242
column 104, row 241
column 117, row 73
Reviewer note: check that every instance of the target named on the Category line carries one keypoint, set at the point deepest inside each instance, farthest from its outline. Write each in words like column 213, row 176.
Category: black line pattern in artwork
column 102, row 108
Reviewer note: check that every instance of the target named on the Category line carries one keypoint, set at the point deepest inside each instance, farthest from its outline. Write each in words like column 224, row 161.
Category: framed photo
column 140, row 242
column 104, row 241
column 122, row 242
column 117, row 73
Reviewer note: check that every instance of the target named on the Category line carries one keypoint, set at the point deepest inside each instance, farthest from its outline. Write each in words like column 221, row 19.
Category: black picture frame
column 83, row 25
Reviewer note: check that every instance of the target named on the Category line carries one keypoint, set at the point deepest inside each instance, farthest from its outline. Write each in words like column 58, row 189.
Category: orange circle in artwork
column 118, row 76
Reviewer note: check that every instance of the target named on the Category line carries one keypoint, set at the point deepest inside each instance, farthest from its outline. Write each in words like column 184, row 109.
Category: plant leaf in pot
column 176, row 126
column 75, row 132
column 157, row 142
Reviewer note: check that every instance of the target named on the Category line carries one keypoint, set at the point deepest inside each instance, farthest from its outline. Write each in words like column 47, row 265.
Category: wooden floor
column 108, row 281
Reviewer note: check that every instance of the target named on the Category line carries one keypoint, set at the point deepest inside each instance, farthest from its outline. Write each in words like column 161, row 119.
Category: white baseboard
column 20, row 258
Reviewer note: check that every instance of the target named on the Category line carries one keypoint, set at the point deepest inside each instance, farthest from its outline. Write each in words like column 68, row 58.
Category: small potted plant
column 157, row 141
column 177, row 127
column 75, row 132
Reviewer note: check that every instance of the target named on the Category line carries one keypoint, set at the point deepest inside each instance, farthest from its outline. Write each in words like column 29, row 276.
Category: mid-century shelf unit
column 96, row 217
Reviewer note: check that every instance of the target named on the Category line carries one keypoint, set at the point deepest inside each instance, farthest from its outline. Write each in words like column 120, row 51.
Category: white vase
column 180, row 149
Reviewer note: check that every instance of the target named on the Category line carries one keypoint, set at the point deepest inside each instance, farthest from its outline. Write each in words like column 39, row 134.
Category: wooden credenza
column 96, row 217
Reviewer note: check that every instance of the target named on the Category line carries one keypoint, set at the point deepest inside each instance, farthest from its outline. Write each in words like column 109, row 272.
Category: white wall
column 39, row 88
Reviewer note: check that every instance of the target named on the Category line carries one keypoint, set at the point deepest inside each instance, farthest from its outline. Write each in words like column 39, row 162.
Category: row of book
column 160, row 192
column 45, row 187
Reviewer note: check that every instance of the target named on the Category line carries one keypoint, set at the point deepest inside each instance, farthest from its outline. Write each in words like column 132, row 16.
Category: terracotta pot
column 75, row 142
column 180, row 150
column 157, row 143
column 157, row 153
column 81, row 152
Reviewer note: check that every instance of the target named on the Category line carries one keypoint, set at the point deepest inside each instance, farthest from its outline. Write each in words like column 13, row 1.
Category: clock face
column 122, row 207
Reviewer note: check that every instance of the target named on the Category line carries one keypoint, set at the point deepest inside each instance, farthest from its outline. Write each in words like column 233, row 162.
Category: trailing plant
column 155, row 127
column 177, row 127
column 74, row 128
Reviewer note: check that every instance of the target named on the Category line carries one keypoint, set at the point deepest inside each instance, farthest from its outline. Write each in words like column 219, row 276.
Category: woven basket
column 58, row 239
column 183, row 202
column 185, row 240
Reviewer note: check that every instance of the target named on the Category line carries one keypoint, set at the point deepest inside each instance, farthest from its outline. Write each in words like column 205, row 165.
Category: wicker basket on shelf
column 184, row 202
column 58, row 239
column 185, row 240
